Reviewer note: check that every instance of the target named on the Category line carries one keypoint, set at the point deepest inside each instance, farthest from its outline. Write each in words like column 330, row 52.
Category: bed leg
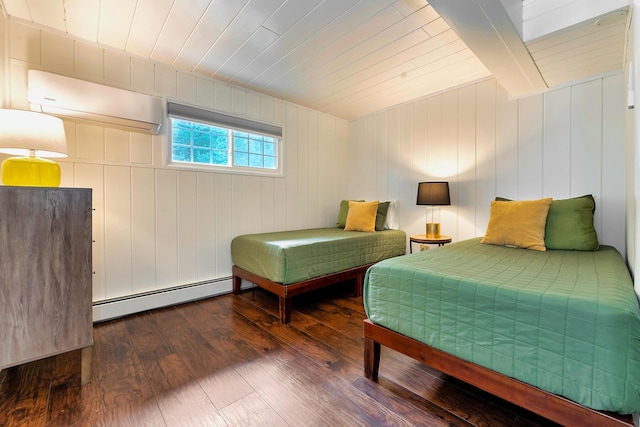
column 237, row 281
column 284, row 307
column 358, row 286
column 371, row 359
column 636, row 419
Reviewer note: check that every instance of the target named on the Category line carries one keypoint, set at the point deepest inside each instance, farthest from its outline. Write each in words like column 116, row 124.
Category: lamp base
column 433, row 230
column 30, row 171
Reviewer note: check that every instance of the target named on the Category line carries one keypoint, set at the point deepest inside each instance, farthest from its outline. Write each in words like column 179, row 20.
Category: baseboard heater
column 123, row 306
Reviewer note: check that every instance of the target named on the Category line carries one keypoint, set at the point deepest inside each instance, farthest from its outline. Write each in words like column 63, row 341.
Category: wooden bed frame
column 287, row 292
column 551, row 406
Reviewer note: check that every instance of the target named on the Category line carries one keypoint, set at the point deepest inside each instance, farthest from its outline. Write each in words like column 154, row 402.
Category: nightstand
column 422, row 238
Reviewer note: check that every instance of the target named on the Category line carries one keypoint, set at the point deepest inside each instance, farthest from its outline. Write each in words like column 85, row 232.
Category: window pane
column 240, row 159
column 255, row 161
column 221, row 158
column 270, row 162
column 240, row 144
column 220, row 138
column 181, row 124
column 255, row 147
column 181, row 133
column 269, row 149
column 202, row 155
column 181, row 153
column 202, row 138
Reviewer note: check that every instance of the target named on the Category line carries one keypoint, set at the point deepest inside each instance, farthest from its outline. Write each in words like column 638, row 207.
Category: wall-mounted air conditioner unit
column 82, row 100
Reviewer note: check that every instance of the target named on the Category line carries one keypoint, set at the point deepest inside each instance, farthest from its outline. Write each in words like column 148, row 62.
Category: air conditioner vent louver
column 82, row 100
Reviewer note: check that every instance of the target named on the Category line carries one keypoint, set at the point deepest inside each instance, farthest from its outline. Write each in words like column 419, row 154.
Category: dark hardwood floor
column 227, row 361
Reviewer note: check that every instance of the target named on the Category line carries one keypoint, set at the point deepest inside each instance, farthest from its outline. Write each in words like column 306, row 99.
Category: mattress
column 293, row 256
column 564, row 321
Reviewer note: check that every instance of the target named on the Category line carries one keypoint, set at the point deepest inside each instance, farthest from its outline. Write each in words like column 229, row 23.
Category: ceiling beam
column 487, row 29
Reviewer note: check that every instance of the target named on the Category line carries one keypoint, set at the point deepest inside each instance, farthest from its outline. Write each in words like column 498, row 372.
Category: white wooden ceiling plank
column 443, row 51
column 215, row 21
column 115, row 21
column 289, row 13
column 389, row 35
column 607, row 57
column 419, row 53
column 83, row 18
column 18, row 9
column 458, row 75
column 433, row 60
column 447, row 71
column 563, row 39
column 353, row 27
column 306, row 81
column 258, row 41
column 386, row 80
column 178, row 27
column 48, row 12
column 570, row 52
column 148, row 20
column 597, row 66
column 436, row 27
column 323, row 64
column 246, row 23
column 389, row 78
column 578, row 30
column 568, row 15
column 368, row 67
column 408, row 7
column 399, row 92
column 379, row 41
column 298, row 35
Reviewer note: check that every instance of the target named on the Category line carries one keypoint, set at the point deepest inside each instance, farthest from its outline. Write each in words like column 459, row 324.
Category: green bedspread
column 293, row 256
column 565, row 321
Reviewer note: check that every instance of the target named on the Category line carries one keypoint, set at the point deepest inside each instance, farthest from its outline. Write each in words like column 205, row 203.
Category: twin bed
column 288, row 263
column 527, row 326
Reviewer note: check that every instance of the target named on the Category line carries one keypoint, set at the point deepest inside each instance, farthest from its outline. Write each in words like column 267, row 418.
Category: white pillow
column 392, row 223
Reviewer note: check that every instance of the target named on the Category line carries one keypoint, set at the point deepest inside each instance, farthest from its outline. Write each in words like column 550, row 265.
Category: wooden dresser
column 45, row 274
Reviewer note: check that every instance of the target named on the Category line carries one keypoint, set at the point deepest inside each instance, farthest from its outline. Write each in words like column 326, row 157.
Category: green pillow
column 342, row 215
column 381, row 215
column 570, row 224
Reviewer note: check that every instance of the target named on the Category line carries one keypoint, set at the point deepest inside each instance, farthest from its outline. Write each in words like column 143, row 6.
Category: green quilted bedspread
column 565, row 321
column 293, row 256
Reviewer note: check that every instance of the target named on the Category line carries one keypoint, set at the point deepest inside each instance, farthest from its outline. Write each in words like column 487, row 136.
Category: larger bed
column 288, row 263
column 557, row 332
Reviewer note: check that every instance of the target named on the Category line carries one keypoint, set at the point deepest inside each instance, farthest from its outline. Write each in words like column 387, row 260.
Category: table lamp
column 433, row 194
column 30, row 136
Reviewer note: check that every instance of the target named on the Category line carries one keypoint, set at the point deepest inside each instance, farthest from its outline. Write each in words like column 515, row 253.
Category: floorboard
column 228, row 361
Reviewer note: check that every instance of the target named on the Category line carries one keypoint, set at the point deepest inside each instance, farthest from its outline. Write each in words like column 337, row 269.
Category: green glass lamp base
column 30, row 171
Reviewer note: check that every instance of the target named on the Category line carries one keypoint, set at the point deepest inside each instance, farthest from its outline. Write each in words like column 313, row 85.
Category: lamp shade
column 22, row 131
column 433, row 193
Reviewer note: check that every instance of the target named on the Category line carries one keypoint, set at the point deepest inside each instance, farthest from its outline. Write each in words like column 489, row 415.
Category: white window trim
column 199, row 114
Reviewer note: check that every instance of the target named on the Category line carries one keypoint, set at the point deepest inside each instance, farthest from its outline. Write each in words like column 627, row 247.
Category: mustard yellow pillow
column 361, row 216
column 520, row 224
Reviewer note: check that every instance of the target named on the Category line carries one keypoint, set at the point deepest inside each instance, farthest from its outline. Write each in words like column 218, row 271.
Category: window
column 210, row 139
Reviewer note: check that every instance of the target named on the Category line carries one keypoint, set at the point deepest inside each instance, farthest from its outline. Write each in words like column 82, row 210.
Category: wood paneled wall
column 563, row 143
column 158, row 227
